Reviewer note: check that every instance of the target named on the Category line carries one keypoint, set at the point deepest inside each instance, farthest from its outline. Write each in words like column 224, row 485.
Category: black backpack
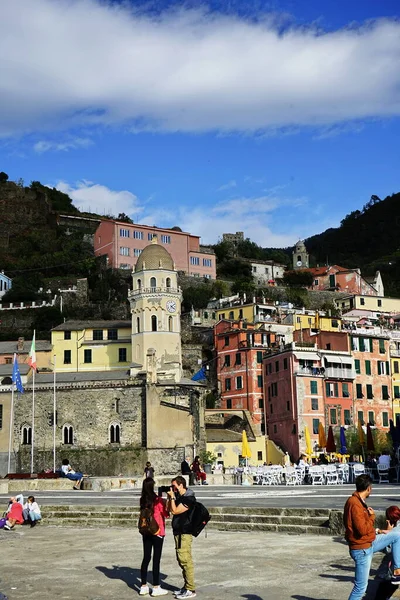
column 147, row 524
column 198, row 518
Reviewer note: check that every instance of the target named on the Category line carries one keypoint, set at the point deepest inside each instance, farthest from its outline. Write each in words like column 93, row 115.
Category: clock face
column 171, row 306
column 299, row 263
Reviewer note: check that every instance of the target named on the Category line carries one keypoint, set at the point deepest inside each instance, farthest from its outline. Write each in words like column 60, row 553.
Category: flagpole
column 11, row 429
column 33, row 418
column 54, row 417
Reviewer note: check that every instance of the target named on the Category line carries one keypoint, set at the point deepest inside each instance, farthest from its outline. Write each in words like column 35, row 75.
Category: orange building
column 340, row 279
column 303, row 387
column 123, row 243
column 239, row 348
column 373, row 384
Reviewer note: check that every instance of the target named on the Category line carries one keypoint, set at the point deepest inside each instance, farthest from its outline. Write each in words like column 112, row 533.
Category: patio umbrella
column 246, row 452
column 321, row 436
column 370, row 439
column 361, row 435
column 308, row 441
column 330, row 444
column 343, row 443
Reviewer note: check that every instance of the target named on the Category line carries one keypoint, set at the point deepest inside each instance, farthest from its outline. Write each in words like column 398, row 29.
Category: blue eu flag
column 16, row 376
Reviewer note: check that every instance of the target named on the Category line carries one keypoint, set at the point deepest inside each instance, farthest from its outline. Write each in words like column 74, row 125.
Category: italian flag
column 32, row 353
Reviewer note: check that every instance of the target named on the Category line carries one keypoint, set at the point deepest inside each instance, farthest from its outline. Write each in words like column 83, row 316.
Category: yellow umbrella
column 308, row 441
column 321, row 436
column 246, row 452
column 361, row 434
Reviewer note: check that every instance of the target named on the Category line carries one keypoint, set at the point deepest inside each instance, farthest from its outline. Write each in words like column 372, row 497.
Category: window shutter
column 387, row 368
column 379, row 368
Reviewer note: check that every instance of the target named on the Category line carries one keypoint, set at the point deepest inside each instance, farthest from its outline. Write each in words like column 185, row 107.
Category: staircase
column 283, row 520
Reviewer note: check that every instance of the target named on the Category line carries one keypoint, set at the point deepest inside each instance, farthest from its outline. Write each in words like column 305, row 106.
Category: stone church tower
column 155, row 301
column 300, row 256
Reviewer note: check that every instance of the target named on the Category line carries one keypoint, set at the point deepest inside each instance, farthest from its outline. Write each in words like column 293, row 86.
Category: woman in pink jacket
column 153, row 543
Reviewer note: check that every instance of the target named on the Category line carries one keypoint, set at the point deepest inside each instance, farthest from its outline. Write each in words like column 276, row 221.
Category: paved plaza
column 305, row 496
column 52, row 563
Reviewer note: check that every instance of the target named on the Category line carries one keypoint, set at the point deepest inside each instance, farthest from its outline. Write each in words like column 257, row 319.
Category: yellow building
column 92, row 345
column 253, row 313
column 316, row 321
column 227, row 446
column 378, row 304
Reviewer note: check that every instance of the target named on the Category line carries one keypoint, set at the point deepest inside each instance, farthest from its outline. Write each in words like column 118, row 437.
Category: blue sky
column 272, row 117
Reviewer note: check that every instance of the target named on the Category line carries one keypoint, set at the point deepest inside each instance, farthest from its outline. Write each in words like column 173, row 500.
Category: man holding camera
column 180, row 503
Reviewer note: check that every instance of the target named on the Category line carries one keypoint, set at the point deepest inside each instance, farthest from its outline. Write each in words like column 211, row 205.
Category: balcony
column 337, row 373
column 310, row 371
column 154, row 290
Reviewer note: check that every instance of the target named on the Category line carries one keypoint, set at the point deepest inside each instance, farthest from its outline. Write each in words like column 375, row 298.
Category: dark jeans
column 155, row 543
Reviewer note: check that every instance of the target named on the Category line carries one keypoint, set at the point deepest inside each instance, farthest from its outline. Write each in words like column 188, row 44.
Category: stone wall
column 128, row 461
column 157, row 423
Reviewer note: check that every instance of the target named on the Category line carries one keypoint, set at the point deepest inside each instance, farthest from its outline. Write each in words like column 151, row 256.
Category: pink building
column 123, row 243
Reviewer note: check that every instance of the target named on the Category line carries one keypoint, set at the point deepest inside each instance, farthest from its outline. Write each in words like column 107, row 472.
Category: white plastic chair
column 291, row 476
column 383, row 473
column 316, row 475
column 331, row 475
column 343, row 473
column 358, row 469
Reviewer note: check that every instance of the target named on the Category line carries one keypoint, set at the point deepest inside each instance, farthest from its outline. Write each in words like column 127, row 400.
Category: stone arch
column 68, row 434
column 26, row 435
column 114, row 433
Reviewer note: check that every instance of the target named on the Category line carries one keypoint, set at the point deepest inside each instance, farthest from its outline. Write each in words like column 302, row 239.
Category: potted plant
column 207, row 458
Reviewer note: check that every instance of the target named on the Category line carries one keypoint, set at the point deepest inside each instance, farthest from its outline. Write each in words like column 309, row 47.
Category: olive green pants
column 183, row 547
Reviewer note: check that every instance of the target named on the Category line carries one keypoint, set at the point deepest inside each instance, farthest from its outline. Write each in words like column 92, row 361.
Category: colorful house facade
column 123, row 243
column 92, row 345
column 239, row 351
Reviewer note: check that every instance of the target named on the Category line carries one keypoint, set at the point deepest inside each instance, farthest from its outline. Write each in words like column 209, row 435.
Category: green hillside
column 367, row 238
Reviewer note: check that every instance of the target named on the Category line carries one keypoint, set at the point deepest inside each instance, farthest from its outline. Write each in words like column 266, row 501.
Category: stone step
column 212, row 525
column 240, row 510
column 227, row 517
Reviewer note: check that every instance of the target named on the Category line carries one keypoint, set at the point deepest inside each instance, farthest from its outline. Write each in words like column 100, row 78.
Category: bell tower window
column 153, row 282
column 170, row 324
column 154, row 323
column 137, row 324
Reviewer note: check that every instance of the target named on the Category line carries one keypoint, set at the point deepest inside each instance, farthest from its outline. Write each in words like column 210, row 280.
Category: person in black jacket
column 180, row 503
column 186, row 470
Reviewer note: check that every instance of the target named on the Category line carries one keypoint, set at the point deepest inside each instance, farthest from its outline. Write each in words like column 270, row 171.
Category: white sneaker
column 159, row 591
column 179, row 592
column 144, row 590
column 186, row 594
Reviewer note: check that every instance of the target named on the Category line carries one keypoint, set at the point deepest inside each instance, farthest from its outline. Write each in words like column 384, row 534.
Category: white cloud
column 92, row 197
column 267, row 220
column 88, row 62
column 46, row 145
column 263, row 219
column 227, row 186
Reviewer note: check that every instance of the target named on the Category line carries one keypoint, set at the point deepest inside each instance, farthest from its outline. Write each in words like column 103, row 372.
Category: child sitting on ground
column 31, row 512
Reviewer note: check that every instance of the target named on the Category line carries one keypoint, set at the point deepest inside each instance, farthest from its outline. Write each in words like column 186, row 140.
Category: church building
column 118, row 389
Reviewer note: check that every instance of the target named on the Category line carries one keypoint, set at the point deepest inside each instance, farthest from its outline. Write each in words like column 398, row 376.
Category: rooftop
column 11, row 347
column 79, row 325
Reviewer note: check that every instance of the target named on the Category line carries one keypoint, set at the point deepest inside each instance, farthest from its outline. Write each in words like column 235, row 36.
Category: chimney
column 20, row 344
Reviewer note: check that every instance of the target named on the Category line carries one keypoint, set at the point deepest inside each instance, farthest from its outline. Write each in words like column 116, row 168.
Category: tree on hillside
column 60, row 202
column 124, row 218
column 3, row 177
column 298, row 278
column 235, row 268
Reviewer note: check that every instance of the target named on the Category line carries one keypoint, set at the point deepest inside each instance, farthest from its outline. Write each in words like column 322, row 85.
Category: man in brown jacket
column 364, row 540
